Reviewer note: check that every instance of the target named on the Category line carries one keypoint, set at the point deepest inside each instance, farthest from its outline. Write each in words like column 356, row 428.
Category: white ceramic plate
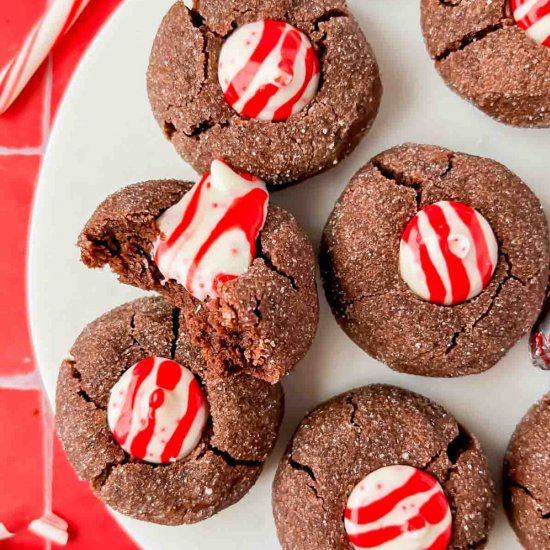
column 105, row 137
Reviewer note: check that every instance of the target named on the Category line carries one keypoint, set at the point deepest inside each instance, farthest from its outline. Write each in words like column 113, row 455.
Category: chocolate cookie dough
column 261, row 324
column 484, row 56
column 527, row 478
column 358, row 433
column 190, row 107
column 245, row 414
column 360, row 262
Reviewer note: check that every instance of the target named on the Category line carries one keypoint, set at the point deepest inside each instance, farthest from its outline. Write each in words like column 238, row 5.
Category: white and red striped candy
column 448, row 253
column 268, row 70
column 5, row 534
column 539, row 339
column 533, row 16
column 51, row 527
column 398, row 508
column 157, row 411
column 209, row 237
column 56, row 22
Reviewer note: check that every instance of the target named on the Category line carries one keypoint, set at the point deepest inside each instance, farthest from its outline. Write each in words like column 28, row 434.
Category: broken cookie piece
column 380, row 467
column 141, row 418
column 242, row 273
column 527, row 478
column 435, row 262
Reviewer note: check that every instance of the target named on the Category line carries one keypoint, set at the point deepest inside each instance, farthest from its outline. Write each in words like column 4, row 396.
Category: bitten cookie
column 280, row 89
column 527, row 478
column 435, row 262
column 380, row 464
column 495, row 54
column 261, row 322
column 140, row 418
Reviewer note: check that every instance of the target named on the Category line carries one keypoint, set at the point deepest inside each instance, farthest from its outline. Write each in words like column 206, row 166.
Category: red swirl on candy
column 157, row 411
column 398, row 508
column 209, row 237
column 268, row 70
column 539, row 339
column 533, row 16
column 448, row 253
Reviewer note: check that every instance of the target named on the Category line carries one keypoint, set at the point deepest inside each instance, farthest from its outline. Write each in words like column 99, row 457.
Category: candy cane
column 4, row 533
column 51, row 527
column 39, row 43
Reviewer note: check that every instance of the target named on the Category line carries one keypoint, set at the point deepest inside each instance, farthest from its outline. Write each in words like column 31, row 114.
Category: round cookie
column 485, row 57
column 262, row 323
column 357, row 433
column 360, row 262
column 245, row 414
column 189, row 105
column 527, row 478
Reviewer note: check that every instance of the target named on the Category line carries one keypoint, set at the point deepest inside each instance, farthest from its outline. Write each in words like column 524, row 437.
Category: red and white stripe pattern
column 268, row 70
column 157, row 411
column 448, row 253
column 209, row 237
column 51, row 527
column 41, row 40
column 5, row 534
column 533, row 16
column 539, row 340
column 398, row 508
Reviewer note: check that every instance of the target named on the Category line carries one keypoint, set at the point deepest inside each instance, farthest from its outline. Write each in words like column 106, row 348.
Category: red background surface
column 34, row 473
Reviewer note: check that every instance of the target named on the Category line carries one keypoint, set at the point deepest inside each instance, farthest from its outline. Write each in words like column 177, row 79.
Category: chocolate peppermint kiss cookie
column 141, row 419
column 435, row 262
column 242, row 272
column 527, row 478
column 281, row 89
column 382, row 467
column 495, row 54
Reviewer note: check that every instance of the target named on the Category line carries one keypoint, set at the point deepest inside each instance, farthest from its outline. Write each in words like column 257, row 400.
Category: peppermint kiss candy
column 539, row 341
column 157, row 411
column 448, row 253
column 398, row 508
column 209, row 237
column 533, row 16
column 268, row 70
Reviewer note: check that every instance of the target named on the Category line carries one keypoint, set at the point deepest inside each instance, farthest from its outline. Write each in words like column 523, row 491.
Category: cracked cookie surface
column 527, row 478
column 485, row 57
column 189, row 105
column 245, row 414
column 360, row 257
column 360, row 431
column 261, row 324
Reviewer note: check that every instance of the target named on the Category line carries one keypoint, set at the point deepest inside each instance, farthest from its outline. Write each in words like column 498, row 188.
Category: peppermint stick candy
column 59, row 18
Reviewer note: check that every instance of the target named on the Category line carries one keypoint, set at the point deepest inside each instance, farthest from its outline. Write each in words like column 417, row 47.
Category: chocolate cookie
column 527, row 478
column 385, row 440
column 484, row 55
column 239, row 434
column 262, row 323
column 463, row 305
column 189, row 104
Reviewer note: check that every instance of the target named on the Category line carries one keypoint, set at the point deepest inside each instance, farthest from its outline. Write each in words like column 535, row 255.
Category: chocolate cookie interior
column 263, row 322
